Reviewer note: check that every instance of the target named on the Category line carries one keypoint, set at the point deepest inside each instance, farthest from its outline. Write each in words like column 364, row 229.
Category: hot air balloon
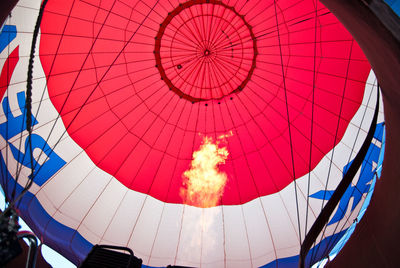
column 199, row 133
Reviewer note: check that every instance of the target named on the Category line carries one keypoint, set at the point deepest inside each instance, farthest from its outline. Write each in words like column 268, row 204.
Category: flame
column 204, row 181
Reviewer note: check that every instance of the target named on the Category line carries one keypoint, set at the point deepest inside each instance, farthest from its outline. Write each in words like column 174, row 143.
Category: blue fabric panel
column 54, row 234
column 64, row 239
column 322, row 248
column 382, row 153
column 7, row 34
column 395, row 5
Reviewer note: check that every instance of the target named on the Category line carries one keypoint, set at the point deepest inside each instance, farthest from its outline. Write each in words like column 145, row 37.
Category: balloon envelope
column 198, row 133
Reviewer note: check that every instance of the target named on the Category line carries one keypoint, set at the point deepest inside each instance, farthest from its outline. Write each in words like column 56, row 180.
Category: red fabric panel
column 7, row 70
column 136, row 127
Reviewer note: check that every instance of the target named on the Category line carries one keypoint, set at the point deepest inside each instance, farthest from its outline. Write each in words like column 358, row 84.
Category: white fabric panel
column 283, row 228
column 189, row 253
column 322, row 171
column 120, row 228
column 167, row 237
column 236, row 241
column 289, row 199
column 302, row 208
column 52, row 186
column 351, row 137
column 25, row 22
column 239, row 231
column 50, row 129
column 340, row 159
column 12, row 165
column 212, row 248
column 100, row 215
column 144, row 229
column 81, row 198
column 314, row 205
column 258, row 233
column 104, row 210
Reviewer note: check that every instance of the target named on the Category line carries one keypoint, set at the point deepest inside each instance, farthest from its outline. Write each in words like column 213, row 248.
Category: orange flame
column 204, row 181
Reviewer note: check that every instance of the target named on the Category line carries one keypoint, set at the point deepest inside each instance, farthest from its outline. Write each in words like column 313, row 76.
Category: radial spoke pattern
column 125, row 92
column 151, row 76
column 205, row 50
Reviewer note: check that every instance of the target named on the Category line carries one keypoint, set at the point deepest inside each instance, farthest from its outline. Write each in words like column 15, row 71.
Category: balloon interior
column 198, row 133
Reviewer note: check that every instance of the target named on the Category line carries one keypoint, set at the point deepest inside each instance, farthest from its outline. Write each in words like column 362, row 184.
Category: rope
column 28, row 106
